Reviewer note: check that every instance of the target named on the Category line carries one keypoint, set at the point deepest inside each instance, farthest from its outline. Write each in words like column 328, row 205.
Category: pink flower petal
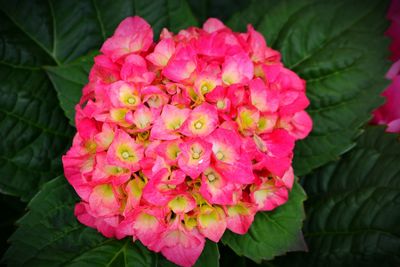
column 132, row 35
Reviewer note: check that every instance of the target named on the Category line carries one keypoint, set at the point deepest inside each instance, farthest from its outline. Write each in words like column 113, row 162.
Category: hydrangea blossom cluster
column 179, row 140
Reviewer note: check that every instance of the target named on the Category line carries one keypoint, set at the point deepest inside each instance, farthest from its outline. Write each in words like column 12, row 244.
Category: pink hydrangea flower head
column 180, row 140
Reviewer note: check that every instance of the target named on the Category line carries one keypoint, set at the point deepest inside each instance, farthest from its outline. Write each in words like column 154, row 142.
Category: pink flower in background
column 389, row 113
column 179, row 140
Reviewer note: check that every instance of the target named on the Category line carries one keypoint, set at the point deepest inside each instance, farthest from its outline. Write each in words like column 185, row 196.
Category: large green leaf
column 65, row 30
column 272, row 233
column 353, row 211
column 33, row 130
column 50, row 235
column 68, row 80
column 221, row 9
column 339, row 48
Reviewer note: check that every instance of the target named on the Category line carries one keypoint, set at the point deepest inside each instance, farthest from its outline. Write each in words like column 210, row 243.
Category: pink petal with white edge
column 182, row 203
column 170, row 121
column 219, row 97
column 87, row 128
column 217, row 190
column 262, row 98
column 276, row 165
column 247, row 119
column 125, row 152
column 257, row 44
column 156, row 191
column 202, row 121
column 279, row 143
column 268, row 196
column 132, row 35
column 104, row 70
column 194, row 157
column 207, row 81
column 180, row 245
column 76, row 168
column 124, row 95
column 213, row 25
column 162, row 52
column 135, row 70
column 288, row 178
column 181, row 65
column 299, row 125
column 104, row 172
column 103, row 201
column 107, row 226
column 292, row 102
column 154, row 96
column 216, row 44
column 169, row 150
column 229, row 157
column 83, row 216
column 237, row 69
column 148, row 225
column 133, row 190
column 211, row 222
column 164, row 186
column 240, row 217
column 143, row 117
column 104, row 138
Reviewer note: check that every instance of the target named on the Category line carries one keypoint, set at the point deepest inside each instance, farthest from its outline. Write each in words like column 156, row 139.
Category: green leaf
column 339, row 48
column 221, row 9
column 114, row 253
column 272, row 233
column 209, row 257
column 50, row 235
column 33, row 132
column 65, row 30
column 68, row 80
column 353, row 210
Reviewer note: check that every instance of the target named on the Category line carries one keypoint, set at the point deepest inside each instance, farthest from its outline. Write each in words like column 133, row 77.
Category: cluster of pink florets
column 182, row 139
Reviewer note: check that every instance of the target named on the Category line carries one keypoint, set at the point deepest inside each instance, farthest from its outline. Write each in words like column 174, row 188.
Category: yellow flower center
column 204, row 89
column 196, row 155
column 125, row 155
column 198, row 125
column 219, row 155
column 220, row 104
column 211, row 177
column 131, row 100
